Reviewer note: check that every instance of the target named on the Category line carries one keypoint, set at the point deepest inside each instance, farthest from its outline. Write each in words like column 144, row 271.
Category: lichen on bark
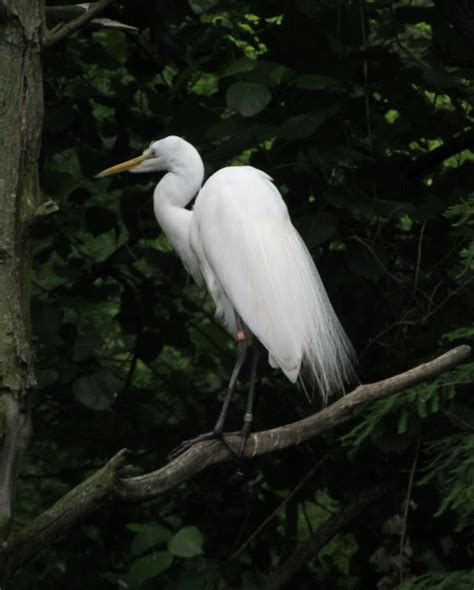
column 21, row 113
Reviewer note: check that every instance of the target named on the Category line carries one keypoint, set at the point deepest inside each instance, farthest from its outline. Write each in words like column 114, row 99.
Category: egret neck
column 176, row 190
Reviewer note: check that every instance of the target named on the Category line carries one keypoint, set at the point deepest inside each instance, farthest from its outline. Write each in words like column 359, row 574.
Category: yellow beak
column 123, row 166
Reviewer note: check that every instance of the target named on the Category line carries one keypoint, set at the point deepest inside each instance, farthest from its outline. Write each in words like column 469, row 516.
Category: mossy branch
column 64, row 30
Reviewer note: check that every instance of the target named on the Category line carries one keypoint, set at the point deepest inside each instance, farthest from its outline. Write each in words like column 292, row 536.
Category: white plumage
column 239, row 238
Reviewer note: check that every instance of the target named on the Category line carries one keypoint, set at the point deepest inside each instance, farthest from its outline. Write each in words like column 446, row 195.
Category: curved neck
column 183, row 180
column 172, row 194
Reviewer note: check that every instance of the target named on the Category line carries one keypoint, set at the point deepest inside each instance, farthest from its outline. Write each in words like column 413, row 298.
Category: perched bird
column 239, row 241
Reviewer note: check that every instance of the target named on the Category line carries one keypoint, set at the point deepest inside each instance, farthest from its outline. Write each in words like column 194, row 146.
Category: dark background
column 362, row 113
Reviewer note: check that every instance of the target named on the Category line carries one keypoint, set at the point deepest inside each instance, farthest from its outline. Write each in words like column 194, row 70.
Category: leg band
column 240, row 337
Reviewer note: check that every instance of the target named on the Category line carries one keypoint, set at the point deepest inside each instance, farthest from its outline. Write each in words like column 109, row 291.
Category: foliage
column 345, row 105
column 394, row 421
column 461, row 579
column 462, row 215
column 454, row 464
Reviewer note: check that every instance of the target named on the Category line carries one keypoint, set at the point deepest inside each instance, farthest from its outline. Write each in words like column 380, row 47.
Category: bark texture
column 21, row 112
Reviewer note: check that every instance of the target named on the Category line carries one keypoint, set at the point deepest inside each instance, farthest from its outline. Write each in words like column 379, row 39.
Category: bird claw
column 244, row 434
column 187, row 444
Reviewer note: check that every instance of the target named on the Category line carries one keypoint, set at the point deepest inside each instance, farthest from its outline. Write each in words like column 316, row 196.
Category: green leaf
column 248, row 98
column 149, row 567
column 99, row 220
column 149, row 535
column 366, row 263
column 314, row 82
column 102, row 246
column 300, row 126
column 209, row 337
column 278, row 73
column 59, row 119
column 96, row 391
column 240, row 65
column 318, row 229
column 46, row 378
column 86, row 346
column 403, row 423
column 200, row 6
column 460, row 334
column 186, row 543
column 47, row 321
column 135, row 527
column 439, row 77
column 393, row 443
column 421, row 407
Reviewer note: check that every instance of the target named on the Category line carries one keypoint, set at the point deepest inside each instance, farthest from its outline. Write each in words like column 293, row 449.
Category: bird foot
column 187, row 444
column 244, row 434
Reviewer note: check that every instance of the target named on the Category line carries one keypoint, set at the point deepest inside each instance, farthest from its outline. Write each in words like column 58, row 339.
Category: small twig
column 271, row 516
column 389, row 328
column 133, row 361
column 379, row 262
column 458, row 421
column 306, row 518
column 419, row 321
column 418, row 258
column 329, row 529
column 407, row 505
column 64, row 30
column 446, row 299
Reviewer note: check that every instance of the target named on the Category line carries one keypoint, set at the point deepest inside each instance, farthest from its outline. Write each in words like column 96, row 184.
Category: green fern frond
column 462, row 213
column 419, row 403
column 446, row 581
column 452, row 468
column 464, row 333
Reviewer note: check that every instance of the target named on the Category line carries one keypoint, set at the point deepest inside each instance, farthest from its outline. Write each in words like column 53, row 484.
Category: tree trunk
column 21, row 112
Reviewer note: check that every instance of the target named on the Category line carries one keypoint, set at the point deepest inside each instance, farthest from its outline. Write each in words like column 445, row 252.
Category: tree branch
column 63, row 515
column 14, row 437
column 207, row 453
column 329, row 529
column 58, row 14
column 106, row 484
column 68, row 12
column 64, row 30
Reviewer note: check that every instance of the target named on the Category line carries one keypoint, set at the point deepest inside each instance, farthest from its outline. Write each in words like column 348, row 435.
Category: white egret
column 239, row 241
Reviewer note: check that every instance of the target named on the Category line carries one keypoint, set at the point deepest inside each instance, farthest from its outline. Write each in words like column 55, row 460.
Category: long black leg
column 248, row 417
column 242, row 349
column 242, row 337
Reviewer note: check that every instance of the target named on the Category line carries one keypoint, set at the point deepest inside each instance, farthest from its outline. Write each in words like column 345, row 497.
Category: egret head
column 165, row 154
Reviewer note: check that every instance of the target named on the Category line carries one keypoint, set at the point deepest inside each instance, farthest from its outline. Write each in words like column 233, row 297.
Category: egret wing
column 267, row 273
